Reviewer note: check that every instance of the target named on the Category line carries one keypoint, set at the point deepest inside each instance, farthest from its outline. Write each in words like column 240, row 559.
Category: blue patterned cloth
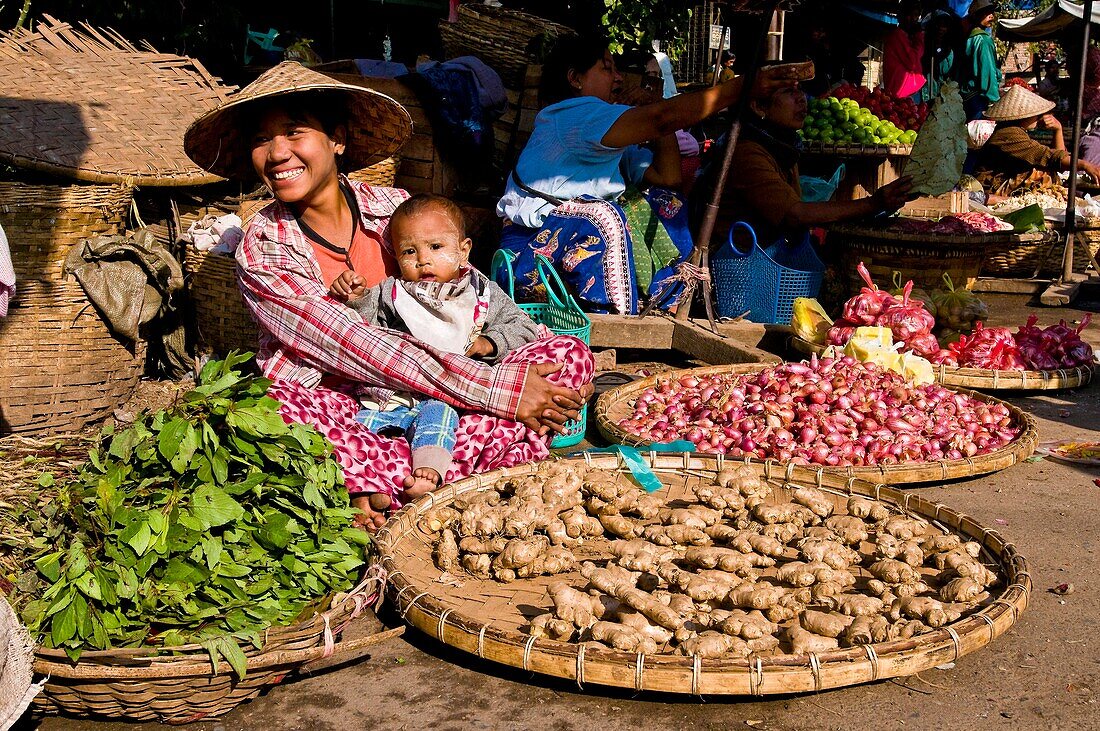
column 591, row 245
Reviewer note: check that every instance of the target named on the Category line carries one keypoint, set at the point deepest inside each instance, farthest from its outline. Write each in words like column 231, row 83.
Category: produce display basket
column 382, row 173
column 618, row 403
column 504, row 39
column 61, row 368
column 985, row 379
column 488, row 619
column 561, row 314
column 139, row 685
column 923, row 258
column 857, row 150
column 1025, row 258
column 223, row 321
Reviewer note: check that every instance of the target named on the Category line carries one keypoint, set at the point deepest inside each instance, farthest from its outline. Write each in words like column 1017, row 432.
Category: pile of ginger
column 735, row 573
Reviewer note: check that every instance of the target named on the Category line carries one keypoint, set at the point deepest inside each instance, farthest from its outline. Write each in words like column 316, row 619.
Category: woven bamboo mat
column 90, row 105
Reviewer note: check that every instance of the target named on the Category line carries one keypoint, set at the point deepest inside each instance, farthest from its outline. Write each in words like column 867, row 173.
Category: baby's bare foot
column 379, row 501
column 422, row 481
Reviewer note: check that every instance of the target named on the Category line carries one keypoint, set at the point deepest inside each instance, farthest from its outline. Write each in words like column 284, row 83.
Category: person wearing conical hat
column 979, row 73
column 1010, row 159
column 294, row 130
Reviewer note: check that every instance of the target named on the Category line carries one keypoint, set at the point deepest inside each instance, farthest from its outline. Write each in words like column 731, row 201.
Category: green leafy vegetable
column 205, row 523
column 936, row 162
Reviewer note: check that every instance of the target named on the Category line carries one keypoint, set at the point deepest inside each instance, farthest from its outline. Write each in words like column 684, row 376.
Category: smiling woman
column 293, row 129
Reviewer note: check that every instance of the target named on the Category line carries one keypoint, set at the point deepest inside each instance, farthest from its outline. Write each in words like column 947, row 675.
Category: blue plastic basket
column 562, row 315
column 762, row 284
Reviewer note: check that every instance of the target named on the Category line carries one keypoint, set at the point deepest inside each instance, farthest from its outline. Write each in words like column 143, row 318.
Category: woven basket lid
column 1018, row 103
column 89, row 105
column 16, row 659
column 377, row 125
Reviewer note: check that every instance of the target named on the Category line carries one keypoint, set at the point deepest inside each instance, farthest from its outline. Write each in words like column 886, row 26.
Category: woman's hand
column 1089, row 169
column 545, row 407
column 481, row 348
column 773, row 78
column 893, row 196
column 347, row 286
column 1049, row 121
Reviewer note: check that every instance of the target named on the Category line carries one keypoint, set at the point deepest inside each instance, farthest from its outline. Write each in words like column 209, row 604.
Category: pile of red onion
column 834, row 412
column 1032, row 347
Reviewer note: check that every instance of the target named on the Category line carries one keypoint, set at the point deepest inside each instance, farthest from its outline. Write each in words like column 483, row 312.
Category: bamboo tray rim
column 857, row 149
column 583, row 662
column 895, row 474
column 987, row 379
column 932, row 240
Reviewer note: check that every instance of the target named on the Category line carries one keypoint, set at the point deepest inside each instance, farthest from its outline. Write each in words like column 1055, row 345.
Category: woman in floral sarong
column 290, row 128
column 588, row 196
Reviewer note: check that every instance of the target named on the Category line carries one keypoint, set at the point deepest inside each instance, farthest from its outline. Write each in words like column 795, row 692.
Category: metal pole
column 700, row 253
column 1071, row 207
column 721, row 50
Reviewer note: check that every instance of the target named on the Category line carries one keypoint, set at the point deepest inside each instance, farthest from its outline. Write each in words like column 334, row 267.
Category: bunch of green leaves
column 635, row 24
column 204, row 523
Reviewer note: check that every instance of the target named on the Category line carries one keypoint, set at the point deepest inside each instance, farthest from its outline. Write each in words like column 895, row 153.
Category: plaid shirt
column 305, row 334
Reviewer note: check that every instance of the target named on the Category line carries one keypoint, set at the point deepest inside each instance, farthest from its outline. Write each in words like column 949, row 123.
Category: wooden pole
column 700, row 255
column 1074, row 153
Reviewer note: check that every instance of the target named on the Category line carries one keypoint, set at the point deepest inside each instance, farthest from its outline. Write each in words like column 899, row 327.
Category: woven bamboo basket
column 489, row 619
column 617, row 404
column 857, row 150
column 500, row 37
column 923, row 258
column 223, row 321
column 1024, row 258
column 140, row 685
column 382, row 173
column 984, row 379
column 60, row 367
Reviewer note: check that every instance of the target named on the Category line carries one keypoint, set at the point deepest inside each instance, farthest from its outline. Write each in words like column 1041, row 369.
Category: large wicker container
column 504, row 39
column 223, row 321
column 924, row 258
column 60, row 367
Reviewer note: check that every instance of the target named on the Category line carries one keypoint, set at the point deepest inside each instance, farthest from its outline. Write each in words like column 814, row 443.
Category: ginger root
column 858, row 605
column 930, row 611
column 696, row 516
column 550, row 627
column 892, row 571
column 828, row 624
column 640, row 555
column 755, row 596
column 471, row 544
column 437, row 519
column 782, row 532
column 800, row 515
column 814, row 499
column 701, row 588
column 478, row 564
column 622, row 637
column 962, row 589
column 832, row 553
column 622, row 526
column 726, row 559
column 720, row 498
column 903, row 528
column 675, row 535
column 713, row 644
column 849, row 529
column 803, row 642
column 867, row 509
column 446, row 551
column 866, row 630
column 629, row 594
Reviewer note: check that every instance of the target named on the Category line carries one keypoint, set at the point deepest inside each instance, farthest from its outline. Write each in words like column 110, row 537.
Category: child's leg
column 432, row 439
column 378, row 422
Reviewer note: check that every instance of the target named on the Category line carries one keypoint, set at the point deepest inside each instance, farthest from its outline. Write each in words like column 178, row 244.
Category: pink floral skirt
column 380, row 464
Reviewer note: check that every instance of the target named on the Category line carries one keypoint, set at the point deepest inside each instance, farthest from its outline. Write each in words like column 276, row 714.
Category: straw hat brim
column 1018, row 103
column 377, row 125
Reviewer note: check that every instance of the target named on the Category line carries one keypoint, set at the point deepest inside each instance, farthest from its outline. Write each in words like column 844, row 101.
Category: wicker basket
column 618, row 403
column 924, row 258
column 984, row 379
column 1025, row 258
column 489, row 619
column 382, row 173
column 501, row 38
column 139, row 685
column 60, row 367
column 223, row 321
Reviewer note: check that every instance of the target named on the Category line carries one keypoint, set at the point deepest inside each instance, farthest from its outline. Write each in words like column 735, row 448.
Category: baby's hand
column 482, row 348
column 347, row 286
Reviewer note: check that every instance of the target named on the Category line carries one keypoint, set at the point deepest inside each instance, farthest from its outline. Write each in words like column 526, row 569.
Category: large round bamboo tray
column 985, row 379
column 616, row 404
column 488, row 619
column 223, row 321
column 61, row 368
column 139, row 685
column 924, row 258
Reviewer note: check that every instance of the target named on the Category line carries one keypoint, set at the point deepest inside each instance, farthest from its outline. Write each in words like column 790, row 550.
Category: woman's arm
column 887, row 198
column 666, row 170
column 653, row 121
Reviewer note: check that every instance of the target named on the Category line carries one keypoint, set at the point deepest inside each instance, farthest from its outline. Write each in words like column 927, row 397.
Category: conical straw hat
column 16, row 657
column 377, row 126
column 1018, row 103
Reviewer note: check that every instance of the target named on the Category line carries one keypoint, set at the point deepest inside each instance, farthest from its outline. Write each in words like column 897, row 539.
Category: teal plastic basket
column 561, row 315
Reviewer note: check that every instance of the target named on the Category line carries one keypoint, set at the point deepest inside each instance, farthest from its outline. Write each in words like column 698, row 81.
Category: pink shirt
column 901, row 63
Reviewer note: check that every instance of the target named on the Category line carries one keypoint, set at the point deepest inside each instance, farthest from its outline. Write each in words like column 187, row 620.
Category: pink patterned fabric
column 379, row 464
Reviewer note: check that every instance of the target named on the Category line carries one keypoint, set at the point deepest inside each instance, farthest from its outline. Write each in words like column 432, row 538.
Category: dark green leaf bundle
column 204, row 523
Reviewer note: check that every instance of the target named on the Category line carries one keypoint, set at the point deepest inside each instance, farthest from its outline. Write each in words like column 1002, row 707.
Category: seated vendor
column 1010, row 159
column 763, row 187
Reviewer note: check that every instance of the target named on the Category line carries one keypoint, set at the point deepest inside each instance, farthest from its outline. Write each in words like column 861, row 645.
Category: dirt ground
column 1042, row 674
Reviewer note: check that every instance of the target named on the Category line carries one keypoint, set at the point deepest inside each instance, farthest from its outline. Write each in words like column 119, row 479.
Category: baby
column 444, row 302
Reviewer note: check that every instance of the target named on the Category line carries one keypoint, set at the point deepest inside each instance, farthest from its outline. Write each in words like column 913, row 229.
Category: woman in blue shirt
column 574, row 195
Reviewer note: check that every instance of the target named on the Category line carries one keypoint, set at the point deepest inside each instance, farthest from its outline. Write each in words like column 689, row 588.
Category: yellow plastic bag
column 810, row 321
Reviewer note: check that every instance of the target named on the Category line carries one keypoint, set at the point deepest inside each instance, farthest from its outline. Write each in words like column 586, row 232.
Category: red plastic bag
column 907, row 318
column 865, row 307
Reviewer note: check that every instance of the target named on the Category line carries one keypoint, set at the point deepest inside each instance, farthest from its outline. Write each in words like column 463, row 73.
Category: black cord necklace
column 344, row 251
